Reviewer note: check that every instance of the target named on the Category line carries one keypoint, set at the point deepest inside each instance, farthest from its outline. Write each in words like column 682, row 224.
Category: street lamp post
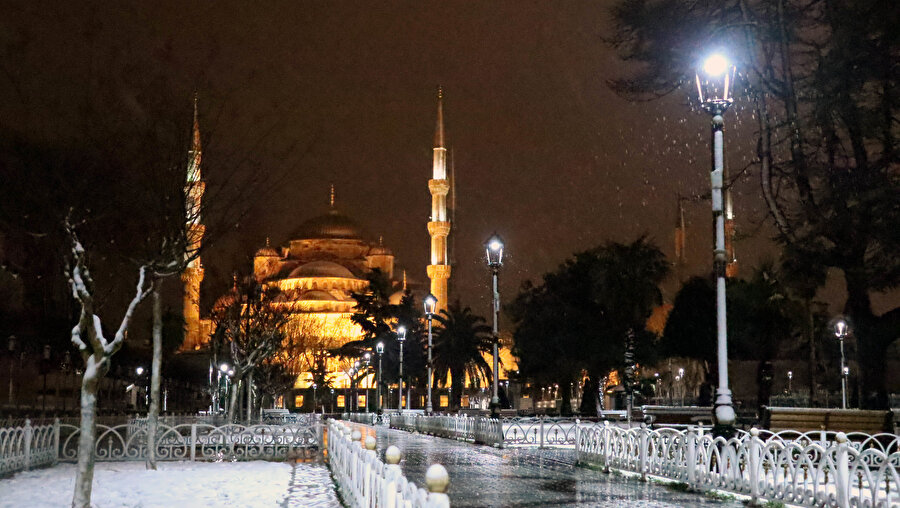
column 430, row 302
column 314, row 386
column 715, row 81
column 790, row 375
column 841, row 330
column 401, row 338
column 379, row 348
column 494, row 253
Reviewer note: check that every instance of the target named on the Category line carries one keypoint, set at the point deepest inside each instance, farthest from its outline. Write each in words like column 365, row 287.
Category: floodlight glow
column 715, row 65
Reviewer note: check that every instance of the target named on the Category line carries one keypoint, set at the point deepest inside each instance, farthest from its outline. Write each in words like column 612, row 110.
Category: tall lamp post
column 430, row 302
column 379, row 348
column 401, row 338
column 715, row 80
column 493, row 249
column 841, row 330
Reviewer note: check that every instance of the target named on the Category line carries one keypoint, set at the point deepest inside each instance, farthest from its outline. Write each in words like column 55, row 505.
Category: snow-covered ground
column 176, row 484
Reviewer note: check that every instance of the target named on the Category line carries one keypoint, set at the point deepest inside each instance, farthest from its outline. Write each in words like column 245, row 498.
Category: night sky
column 344, row 93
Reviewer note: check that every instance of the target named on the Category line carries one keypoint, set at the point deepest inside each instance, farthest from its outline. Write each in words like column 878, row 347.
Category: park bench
column 677, row 415
column 804, row 419
column 278, row 416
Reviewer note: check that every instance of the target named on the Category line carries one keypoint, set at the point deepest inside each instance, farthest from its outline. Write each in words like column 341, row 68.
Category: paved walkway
column 310, row 487
column 481, row 476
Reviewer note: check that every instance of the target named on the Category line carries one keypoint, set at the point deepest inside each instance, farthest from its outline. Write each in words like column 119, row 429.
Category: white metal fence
column 365, row 481
column 477, row 429
column 29, row 446
column 801, row 469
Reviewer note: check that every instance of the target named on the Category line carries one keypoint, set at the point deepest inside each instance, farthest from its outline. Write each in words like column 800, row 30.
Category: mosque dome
column 332, row 225
column 321, row 269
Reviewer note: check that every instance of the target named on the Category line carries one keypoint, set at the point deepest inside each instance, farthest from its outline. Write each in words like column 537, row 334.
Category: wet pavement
column 310, row 487
column 481, row 476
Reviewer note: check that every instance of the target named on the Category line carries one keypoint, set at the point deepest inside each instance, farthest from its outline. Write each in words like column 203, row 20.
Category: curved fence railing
column 365, row 481
column 22, row 448
column 798, row 469
column 477, row 429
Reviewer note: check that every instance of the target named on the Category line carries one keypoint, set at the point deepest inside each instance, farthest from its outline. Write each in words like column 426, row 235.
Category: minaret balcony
column 438, row 271
column 439, row 187
column 439, row 228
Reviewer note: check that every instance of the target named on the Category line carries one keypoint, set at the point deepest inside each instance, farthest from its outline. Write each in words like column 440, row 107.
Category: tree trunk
column 155, row 374
column 84, row 475
column 566, row 406
column 812, row 363
column 249, row 397
column 457, row 384
column 871, row 343
column 233, row 399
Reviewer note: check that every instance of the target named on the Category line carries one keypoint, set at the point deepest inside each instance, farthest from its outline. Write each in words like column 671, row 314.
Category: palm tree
column 461, row 340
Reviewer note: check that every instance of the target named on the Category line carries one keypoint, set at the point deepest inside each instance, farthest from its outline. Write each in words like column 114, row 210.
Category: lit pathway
column 518, row 477
column 310, row 487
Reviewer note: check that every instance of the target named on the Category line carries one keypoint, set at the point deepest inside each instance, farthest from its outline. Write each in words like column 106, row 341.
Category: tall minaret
column 193, row 273
column 439, row 226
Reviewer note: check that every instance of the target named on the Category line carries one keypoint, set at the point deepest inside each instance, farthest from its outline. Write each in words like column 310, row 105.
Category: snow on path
column 176, row 484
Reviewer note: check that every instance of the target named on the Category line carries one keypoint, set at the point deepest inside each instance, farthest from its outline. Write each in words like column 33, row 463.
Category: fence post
column 392, row 473
column 193, row 441
column 755, row 456
column 643, row 452
column 437, row 480
column 691, row 455
column 55, row 441
column 28, row 431
column 542, row 430
column 577, row 440
column 606, row 431
column 842, row 475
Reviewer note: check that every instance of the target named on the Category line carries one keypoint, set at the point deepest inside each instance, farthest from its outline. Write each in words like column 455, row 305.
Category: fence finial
column 370, row 442
column 437, row 479
column 392, row 455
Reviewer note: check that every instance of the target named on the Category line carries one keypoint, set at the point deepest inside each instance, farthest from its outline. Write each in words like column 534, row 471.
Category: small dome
column 267, row 252
column 317, row 296
column 321, row 269
column 332, row 225
column 380, row 250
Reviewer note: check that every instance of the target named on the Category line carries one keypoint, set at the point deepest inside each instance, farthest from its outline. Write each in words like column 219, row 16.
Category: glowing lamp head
column 139, row 370
column 401, row 333
column 493, row 249
column 223, row 367
column 715, row 83
column 840, row 328
column 367, row 356
column 379, row 348
column 430, row 303
column 715, row 65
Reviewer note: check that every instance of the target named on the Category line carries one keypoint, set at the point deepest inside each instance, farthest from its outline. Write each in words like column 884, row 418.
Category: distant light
column 840, row 329
column 715, row 65
column 223, row 367
column 139, row 370
column 230, row 372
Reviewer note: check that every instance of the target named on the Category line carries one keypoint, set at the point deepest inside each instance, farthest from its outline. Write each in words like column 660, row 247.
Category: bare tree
column 251, row 329
column 96, row 351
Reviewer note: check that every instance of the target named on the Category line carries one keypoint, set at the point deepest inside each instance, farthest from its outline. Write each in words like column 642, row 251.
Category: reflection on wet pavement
column 519, row 477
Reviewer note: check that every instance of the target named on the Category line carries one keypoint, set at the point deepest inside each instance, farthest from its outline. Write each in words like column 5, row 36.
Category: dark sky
column 315, row 93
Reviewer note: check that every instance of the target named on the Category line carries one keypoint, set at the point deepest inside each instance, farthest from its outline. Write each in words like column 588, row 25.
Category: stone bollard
column 437, row 480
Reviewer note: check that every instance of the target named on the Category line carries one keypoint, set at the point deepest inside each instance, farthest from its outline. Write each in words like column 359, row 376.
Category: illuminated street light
column 430, row 302
column 379, row 348
column 401, row 338
column 715, row 82
column 493, row 249
column 841, row 330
